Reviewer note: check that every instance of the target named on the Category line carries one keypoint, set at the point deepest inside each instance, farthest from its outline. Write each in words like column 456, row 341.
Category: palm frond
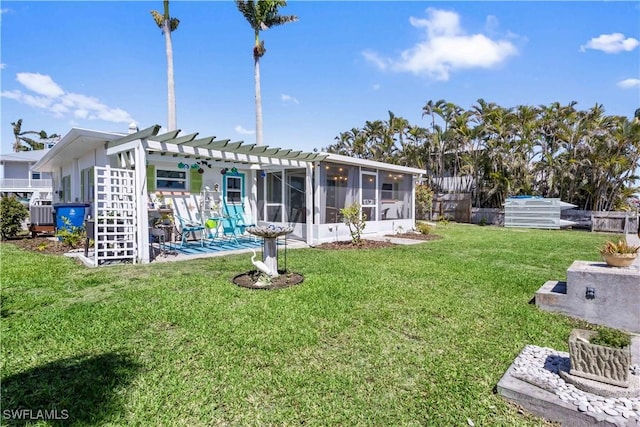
column 158, row 17
column 248, row 10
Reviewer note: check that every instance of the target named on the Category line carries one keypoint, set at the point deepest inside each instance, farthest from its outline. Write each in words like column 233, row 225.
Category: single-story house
column 123, row 176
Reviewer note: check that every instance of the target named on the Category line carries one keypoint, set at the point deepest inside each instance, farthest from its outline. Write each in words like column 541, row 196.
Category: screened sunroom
column 385, row 193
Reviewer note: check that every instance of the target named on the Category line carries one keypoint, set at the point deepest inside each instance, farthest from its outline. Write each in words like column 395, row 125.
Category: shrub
column 611, row 338
column 12, row 213
column 355, row 221
column 423, row 227
column 70, row 235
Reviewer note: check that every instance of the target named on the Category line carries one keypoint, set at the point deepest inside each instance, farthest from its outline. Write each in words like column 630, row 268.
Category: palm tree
column 168, row 24
column 261, row 15
column 24, row 143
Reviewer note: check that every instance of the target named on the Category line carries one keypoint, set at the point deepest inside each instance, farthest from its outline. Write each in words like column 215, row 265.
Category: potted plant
column 603, row 355
column 619, row 254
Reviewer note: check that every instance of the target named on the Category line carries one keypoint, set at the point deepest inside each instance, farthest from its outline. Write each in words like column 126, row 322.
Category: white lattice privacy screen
column 115, row 210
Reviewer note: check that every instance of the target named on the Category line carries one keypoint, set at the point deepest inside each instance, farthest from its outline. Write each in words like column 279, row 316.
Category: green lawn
column 409, row 335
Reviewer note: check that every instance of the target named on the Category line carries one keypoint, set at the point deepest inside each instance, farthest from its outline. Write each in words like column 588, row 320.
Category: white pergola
column 139, row 146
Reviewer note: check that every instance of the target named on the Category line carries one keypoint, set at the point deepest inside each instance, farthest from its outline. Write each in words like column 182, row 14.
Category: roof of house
column 76, row 143
column 30, row 156
column 338, row 158
column 79, row 142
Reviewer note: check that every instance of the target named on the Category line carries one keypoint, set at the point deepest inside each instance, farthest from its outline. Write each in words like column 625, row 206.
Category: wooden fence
column 452, row 206
column 615, row 222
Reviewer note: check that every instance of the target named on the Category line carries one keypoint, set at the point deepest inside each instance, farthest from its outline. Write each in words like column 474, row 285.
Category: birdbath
column 270, row 233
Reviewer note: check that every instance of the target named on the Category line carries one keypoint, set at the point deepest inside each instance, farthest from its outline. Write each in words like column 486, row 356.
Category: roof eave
column 49, row 162
column 339, row 158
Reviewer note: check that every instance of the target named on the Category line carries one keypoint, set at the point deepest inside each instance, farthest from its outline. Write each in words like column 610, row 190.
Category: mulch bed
column 376, row 244
column 364, row 244
column 415, row 236
column 250, row 280
column 39, row 244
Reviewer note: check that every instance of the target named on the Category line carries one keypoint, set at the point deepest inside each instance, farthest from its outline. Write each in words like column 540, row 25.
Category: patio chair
column 189, row 227
column 244, row 221
column 230, row 228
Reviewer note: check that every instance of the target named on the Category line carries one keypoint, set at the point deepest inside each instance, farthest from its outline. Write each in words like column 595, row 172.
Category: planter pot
column 619, row 260
column 596, row 362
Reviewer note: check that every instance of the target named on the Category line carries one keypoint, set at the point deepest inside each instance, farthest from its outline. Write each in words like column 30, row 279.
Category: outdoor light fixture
column 591, row 293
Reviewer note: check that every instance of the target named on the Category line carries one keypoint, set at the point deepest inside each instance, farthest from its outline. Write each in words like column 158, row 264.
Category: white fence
column 15, row 184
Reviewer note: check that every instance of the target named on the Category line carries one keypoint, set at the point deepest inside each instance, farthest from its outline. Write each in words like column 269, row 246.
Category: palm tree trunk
column 258, row 102
column 171, row 93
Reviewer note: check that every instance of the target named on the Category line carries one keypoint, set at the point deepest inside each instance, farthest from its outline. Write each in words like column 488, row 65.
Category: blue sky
column 100, row 65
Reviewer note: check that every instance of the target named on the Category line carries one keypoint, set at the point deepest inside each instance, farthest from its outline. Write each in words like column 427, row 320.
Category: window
column 341, row 184
column 86, row 185
column 233, row 189
column 171, row 180
column 35, row 175
column 395, row 195
column 66, row 189
column 389, row 190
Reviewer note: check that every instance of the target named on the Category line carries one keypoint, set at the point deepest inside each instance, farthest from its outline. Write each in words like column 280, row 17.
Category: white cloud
column 629, row 83
column 376, row 87
column 446, row 48
column 11, row 94
column 40, row 84
column 48, row 95
column 243, row 131
column 3, row 11
column 611, row 43
column 37, row 101
column 376, row 60
column 3, row 66
column 288, row 98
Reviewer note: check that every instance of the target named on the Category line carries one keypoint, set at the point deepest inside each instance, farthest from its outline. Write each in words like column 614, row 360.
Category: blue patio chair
column 230, row 228
column 189, row 227
column 243, row 222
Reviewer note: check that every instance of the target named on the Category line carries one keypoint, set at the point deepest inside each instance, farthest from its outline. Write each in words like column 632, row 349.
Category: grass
column 409, row 335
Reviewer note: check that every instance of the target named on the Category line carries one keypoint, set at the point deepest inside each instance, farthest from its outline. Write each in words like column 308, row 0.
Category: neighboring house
column 120, row 175
column 17, row 178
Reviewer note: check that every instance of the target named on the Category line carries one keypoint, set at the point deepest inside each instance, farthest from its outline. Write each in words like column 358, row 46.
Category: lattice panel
column 115, row 215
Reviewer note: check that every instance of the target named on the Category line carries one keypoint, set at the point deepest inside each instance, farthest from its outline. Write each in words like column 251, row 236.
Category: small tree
column 12, row 213
column 355, row 221
column 424, row 201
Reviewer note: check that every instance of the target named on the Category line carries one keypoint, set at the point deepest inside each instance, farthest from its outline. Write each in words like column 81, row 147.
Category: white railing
column 11, row 183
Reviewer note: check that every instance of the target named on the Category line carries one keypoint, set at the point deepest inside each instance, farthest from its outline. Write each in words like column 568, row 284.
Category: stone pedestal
column 270, row 255
column 596, row 293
